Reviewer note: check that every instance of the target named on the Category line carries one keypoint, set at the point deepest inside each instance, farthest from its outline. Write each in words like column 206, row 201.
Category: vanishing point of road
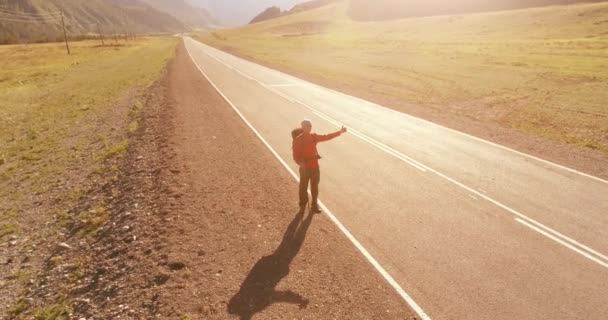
column 462, row 228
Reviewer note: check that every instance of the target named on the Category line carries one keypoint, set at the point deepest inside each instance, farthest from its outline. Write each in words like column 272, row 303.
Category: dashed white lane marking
column 563, row 243
column 286, row 85
column 422, row 166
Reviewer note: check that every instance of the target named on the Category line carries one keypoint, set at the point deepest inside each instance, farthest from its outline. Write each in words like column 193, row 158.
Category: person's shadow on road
column 258, row 291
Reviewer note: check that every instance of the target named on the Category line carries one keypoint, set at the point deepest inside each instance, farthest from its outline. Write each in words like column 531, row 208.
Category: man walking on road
column 305, row 154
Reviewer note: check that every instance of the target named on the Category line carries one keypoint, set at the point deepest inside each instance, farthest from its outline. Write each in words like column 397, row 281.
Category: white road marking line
column 333, row 218
column 370, row 140
column 401, row 156
column 379, row 146
column 585, row 254
column 426, row 121
column 287, row 85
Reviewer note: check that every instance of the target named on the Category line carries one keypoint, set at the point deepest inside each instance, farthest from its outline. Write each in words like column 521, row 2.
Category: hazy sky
column 236, row 12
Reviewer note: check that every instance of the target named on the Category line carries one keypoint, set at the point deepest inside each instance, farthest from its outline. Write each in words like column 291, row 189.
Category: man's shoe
column 315, row 210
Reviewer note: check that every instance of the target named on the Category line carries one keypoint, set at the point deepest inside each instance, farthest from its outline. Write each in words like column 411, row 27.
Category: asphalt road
column 466, row 228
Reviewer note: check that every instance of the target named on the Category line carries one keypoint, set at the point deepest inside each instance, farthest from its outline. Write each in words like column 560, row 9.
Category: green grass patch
column 18, row 307
column 76, row 275
column 9, row 215
column 93, row 219
column 54, row 108
column 75, row 195
column 56, row 260
column 23, row 276
column 62, row 218
column 133, row 126
column 53, row 312
column 46, row 93
column 117, row 150
column 7, row 229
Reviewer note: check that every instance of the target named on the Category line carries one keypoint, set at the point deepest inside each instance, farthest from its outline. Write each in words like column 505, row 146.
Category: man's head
column 306, row 126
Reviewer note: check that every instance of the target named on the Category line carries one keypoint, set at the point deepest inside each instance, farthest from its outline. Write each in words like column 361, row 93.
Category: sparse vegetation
column 18, row 307
column 7, row 229
column 56, row 260
column 62, row 119
column 45, row 93
column 133, row 126
column 92, row 219
column 76, row 275
column 117, row 149
column 82, row 21
column 542, row 71
column 62, row 218
column 23, row 276
column 392, row 9
column 53, row 312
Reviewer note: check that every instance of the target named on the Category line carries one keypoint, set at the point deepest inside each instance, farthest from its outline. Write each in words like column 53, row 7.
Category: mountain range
column 366, row 10
column 275, row 12
column 38, row 20
column 189, row 13
column 239, row 12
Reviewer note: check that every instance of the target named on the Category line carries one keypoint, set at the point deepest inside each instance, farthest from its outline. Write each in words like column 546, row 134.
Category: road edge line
column 406, row 297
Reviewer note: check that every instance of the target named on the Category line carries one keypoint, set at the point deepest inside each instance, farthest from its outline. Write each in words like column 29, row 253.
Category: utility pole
column 100, row 35
column 65, row 35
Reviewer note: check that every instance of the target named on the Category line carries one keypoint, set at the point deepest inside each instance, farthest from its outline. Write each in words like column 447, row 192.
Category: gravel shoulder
column 200, row 221
column 245, row 249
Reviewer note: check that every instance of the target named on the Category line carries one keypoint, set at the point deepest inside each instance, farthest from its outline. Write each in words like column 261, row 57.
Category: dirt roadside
column 202, row 223
column 235, row 240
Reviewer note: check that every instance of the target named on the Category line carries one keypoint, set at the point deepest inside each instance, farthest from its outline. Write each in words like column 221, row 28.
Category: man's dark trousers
column 312, row 175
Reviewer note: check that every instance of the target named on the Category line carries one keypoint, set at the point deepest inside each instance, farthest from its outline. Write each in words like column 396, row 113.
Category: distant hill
column 192, row 16
column 240, row 12
column 36, row 20
column 275, row 12
column 309, row 5
column 366, row 10
column 269, row 13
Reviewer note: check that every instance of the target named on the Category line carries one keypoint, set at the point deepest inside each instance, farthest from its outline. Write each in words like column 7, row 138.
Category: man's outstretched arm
column 327, row 137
